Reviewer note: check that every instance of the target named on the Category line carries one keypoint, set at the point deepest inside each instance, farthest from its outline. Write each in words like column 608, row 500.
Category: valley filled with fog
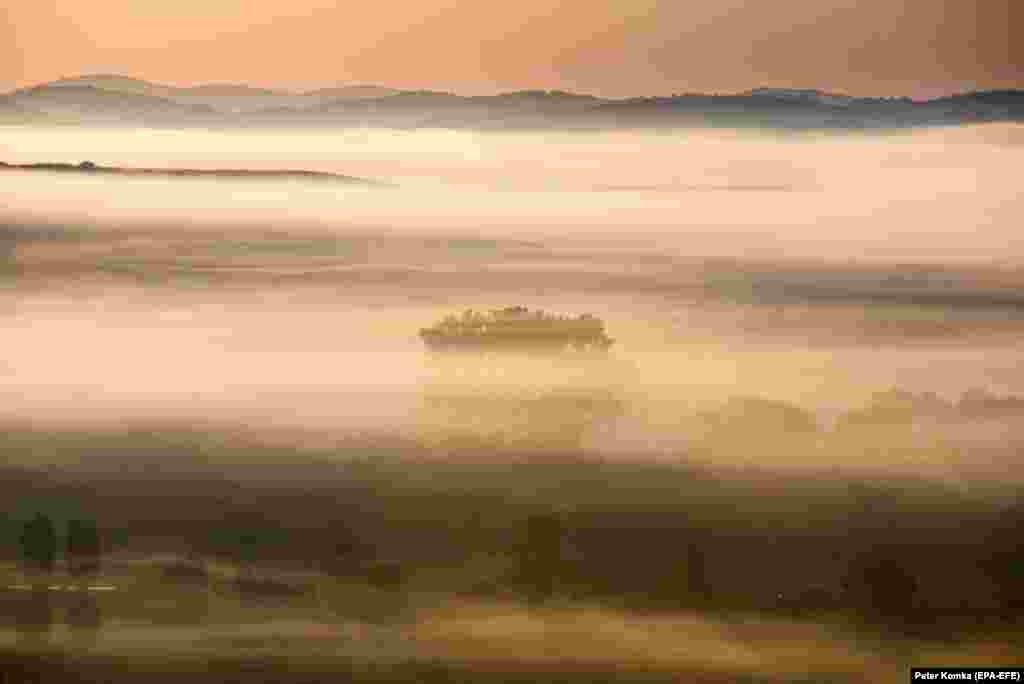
column 812, row 269
column 816, row 368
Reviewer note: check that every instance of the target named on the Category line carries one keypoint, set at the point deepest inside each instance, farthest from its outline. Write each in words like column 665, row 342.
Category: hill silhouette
column 89, row 103
column 106, row 97
column 76, row 98
column 114, row 83
column 230, row 90
column 352, row 92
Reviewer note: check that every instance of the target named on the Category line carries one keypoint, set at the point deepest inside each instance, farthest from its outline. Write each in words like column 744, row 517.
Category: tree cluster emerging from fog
column 40, row 545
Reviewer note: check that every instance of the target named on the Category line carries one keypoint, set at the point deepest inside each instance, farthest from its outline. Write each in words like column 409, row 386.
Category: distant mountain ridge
column 110, row 98
column 226, row 98
column 127, row 84
column 353, row 91
column 113, row 82
column 70, row 102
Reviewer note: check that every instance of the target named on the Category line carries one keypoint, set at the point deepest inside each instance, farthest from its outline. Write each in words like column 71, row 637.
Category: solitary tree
column 698, row 581
column 83, row 547
column 39, row 543
column 542, row 553
column 882, row 587
column 1002, row 559
column 249, row 538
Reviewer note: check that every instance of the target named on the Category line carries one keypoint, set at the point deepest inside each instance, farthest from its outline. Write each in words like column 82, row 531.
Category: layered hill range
column 117, row 100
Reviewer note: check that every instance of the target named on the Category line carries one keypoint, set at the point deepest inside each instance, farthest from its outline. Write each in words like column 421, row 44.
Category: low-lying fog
column 933, row 195
column 812, row 269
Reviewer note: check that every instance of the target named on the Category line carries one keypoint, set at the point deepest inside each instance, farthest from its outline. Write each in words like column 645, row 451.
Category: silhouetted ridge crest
column 104, row 97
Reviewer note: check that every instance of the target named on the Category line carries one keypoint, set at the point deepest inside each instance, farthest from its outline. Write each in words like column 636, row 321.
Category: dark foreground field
column 231, row 558
column 88, row 670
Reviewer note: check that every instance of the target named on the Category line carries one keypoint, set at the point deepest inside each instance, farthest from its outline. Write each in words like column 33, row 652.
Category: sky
column 920, row 48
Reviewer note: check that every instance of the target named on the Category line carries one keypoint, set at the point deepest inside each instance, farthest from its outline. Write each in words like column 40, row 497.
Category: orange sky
column 609, row 47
